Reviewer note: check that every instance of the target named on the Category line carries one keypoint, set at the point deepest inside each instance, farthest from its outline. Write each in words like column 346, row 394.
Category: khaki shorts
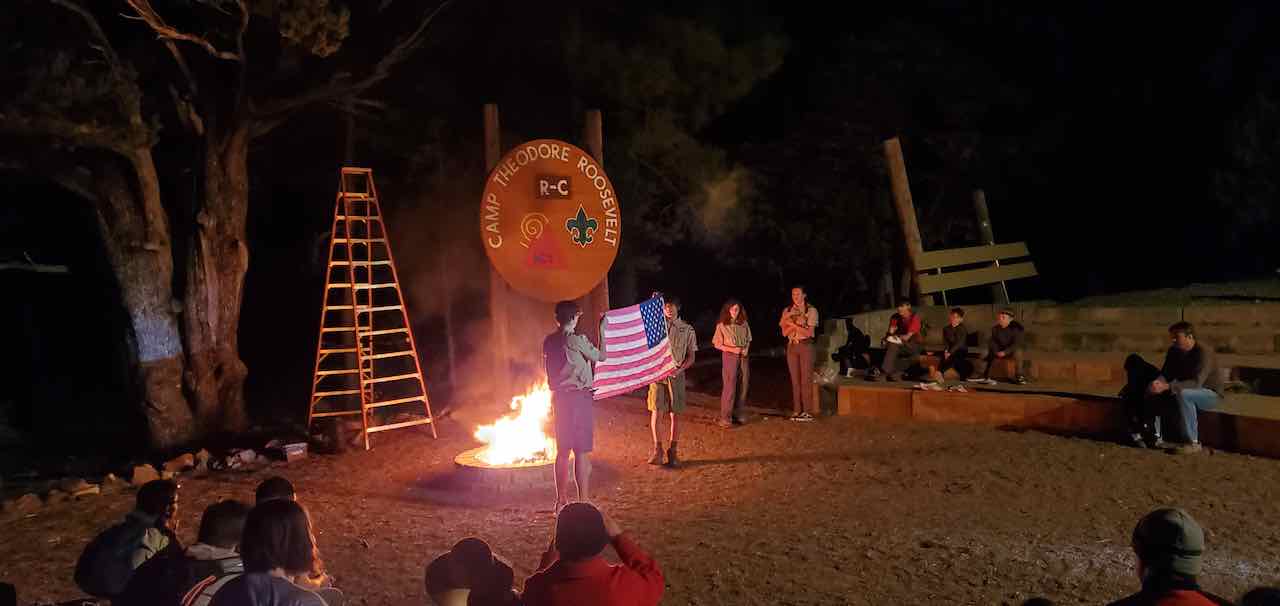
column 660, row 394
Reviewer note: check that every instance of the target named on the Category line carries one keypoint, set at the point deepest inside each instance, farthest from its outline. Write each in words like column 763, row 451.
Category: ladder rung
column 336, row 307
column 358, row 218
column 363, row 309
column 410, row 375
column 379, row 285
column 340, row 392
column 338, row 413
column 340, row 285
column 355, row 195
column 422, row 421
column 394, row 402
column 389, row 331
column 341, row 350
column 326, row 373
column 344, row 263
column 358, row 240
column 337, row 328
column 407, row 352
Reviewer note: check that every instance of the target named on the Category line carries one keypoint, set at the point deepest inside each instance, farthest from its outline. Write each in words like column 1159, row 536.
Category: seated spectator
column 1144, row 421
column 107, row 563
column 854, row 354
column 902, row 344
column 470, row 575
column 1188, row 383
column 1262, row 596
column 277, row 487
column 574, row 572
column 194, row 576
column 1005, row 344
column 955, row 351
column 274, row 487
column 277, row 545
column 1169, row 545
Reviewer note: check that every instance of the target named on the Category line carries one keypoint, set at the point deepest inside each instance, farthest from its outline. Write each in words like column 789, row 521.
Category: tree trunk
column 216, row 263
column 135, row 233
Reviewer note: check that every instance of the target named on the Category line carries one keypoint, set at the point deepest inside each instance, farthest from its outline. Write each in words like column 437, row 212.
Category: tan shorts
column 661, row 394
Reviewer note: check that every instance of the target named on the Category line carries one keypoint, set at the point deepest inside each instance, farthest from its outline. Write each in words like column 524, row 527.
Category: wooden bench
column 942, row 270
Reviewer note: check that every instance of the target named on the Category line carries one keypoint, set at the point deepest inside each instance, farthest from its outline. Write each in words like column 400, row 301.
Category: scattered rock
column 182, row 463
column 168, row 475
column 143, row 474
column 77, row 487
column 27, row 503
column 203, row 457
column 112, row 484
column 56, row 496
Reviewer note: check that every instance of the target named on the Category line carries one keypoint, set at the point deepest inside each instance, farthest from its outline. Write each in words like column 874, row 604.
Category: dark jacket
column 1176, row 591
column 956, row 339
column 165, row 579
column 1006, row 339
column 1191, row 369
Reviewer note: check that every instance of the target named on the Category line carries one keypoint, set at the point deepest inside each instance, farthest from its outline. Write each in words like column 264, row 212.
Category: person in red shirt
column 1169, row 545
column 902, row 344
column 574, row 572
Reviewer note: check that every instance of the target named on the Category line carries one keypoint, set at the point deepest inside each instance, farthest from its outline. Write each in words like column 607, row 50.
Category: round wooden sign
column 549, row 220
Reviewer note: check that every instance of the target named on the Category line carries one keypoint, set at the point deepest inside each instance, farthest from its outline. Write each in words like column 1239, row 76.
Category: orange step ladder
column 366, row 359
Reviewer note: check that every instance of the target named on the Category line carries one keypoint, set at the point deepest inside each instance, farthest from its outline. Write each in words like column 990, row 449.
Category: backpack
column 104, row 568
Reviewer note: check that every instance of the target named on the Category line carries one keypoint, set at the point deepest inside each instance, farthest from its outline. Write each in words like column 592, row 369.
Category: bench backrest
column 932, row 265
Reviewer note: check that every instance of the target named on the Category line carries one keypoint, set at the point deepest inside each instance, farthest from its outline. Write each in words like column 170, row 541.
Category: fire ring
column 478, row 475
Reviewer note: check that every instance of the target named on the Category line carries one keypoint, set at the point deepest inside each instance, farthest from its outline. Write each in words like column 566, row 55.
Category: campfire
column 520, row 437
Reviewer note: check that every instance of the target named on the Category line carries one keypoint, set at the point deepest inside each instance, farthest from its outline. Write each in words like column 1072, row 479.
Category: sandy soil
column 843, row 511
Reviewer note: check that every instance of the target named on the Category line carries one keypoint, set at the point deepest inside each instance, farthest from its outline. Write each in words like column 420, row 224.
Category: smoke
column 723, row 211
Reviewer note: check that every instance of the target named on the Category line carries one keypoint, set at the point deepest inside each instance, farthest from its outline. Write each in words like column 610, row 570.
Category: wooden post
column 906, row 210
column 596, row 302
column 499, row 299
column 999, row 292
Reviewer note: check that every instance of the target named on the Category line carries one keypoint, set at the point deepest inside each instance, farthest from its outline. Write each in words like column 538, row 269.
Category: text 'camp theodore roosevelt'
column 573, row 159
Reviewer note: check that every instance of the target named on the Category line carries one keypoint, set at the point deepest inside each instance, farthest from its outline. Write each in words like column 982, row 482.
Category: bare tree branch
column 35, row 267
column 107, row 50
column 120, row 140
column 342, row 86
column 157, row 24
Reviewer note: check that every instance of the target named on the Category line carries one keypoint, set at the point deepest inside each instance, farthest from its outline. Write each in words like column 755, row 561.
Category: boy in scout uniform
column 668, row 395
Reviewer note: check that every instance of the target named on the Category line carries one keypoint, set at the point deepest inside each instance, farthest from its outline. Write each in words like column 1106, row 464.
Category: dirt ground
column 842, row 511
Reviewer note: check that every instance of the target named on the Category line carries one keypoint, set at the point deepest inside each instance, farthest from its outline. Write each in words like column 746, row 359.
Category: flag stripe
column 631, row 368
column 658, row 375
column 630, row 328
column 626, row 342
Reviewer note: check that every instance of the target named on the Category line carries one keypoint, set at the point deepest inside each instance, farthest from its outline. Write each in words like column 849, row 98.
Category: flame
column 521, row 436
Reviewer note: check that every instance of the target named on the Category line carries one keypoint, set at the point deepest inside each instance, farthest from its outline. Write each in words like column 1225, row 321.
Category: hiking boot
column 1185, row 448
column 656, row 459
column 672, row 460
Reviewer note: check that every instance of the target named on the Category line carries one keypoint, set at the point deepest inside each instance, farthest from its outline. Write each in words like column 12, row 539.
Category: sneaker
column 1185, row 448
column 724, row 424
column 1020, row 380
column 929, row 386
column 1137, row 441
column 958, row 389
column 893, row 377
column 983, row 381
column 803, row 417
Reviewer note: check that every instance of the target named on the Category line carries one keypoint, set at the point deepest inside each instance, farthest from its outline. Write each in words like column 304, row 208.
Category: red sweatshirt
column 595, row 582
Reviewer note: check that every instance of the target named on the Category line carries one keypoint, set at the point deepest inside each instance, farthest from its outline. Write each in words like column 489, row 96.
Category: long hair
column 724, row 313
column 277, row 534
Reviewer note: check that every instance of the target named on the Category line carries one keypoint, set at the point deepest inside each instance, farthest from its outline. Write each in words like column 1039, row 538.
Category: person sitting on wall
column 1188, row 383
column 1005, row 344
column 855, row 353
column 955, row 350
column 902, row 344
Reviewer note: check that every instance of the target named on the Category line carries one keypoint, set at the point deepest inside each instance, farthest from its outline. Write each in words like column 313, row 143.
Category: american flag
column 639, row 353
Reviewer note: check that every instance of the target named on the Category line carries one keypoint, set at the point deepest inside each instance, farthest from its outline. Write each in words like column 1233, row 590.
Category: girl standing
column 733, row 339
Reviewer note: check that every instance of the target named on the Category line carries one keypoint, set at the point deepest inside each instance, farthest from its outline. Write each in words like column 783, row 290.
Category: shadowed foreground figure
column 573, row 571
column 1169, row 545
column 470, row 575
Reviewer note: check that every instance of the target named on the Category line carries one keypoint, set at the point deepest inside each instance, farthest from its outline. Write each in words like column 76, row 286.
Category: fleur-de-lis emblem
column 580, row 227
